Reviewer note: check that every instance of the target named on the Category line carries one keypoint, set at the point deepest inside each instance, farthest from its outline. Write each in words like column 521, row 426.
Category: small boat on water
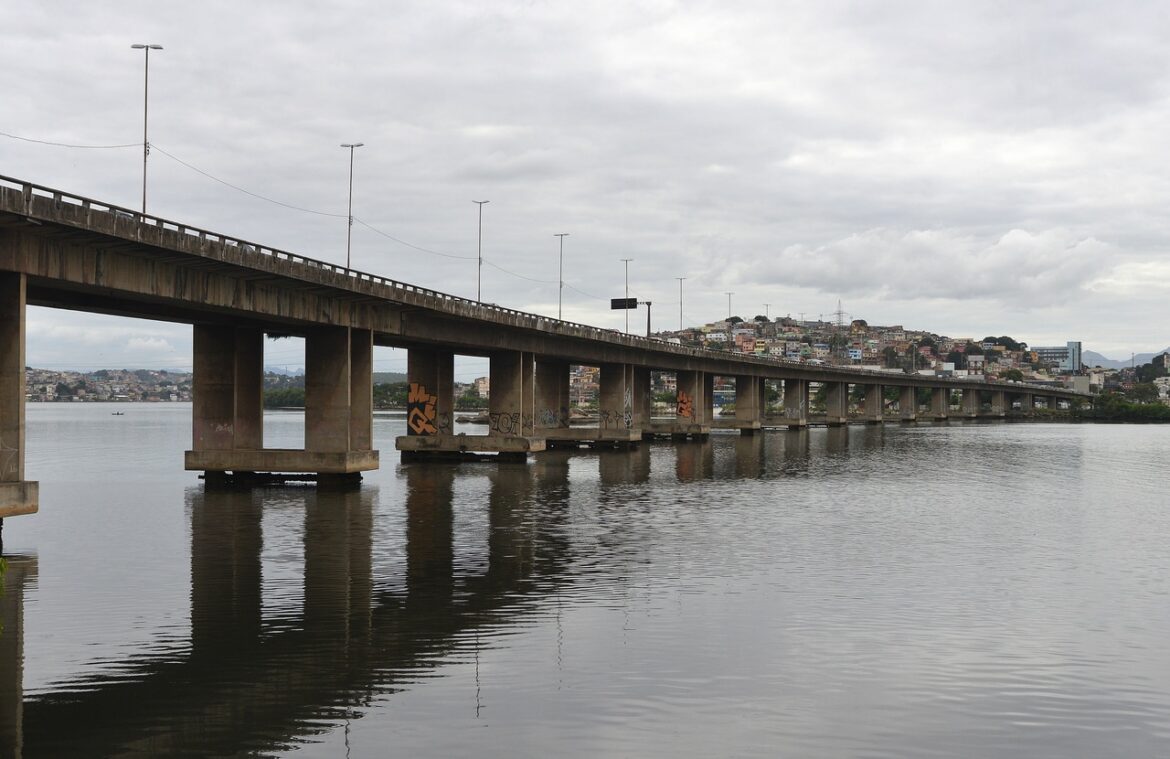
column 118, row 413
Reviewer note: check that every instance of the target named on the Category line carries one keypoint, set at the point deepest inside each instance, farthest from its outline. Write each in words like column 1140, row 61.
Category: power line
column 417, row 247
column 246, row 192
column 67, row 144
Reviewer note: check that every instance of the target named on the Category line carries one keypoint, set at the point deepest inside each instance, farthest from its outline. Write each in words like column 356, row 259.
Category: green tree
column 1143, row 392
column 1012, row 374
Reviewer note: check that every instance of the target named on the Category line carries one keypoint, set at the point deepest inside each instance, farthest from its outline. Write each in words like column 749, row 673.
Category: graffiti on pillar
column 504, row 423
column 686, row 404
column 420, row 411
column 628, row 407
column 551, row 417
column 8, row 461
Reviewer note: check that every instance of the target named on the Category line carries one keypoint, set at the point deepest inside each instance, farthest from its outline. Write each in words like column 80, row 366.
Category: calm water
column 956, row 590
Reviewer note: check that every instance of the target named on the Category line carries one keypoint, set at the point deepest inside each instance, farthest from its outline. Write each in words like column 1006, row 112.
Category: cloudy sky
column 969, row 168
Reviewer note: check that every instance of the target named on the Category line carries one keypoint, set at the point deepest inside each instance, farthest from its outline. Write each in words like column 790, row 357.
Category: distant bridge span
column 65, row 251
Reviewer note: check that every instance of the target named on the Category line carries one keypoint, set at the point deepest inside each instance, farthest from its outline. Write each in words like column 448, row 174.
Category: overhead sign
column 616, row 304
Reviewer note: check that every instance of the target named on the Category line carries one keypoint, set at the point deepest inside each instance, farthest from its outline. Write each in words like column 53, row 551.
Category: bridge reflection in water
column 253, row 684
column 268, row 667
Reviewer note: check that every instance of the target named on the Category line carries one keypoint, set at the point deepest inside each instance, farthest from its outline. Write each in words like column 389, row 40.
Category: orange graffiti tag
column 420, row 410
column 686, row 405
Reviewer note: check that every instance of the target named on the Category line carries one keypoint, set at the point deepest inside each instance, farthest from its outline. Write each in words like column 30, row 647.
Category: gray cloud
column 914, row 158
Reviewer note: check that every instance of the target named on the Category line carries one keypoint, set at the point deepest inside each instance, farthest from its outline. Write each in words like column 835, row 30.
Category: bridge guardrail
column 30, row 190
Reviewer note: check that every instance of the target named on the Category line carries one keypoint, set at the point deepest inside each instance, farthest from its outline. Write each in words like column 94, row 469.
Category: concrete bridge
column 65, row 251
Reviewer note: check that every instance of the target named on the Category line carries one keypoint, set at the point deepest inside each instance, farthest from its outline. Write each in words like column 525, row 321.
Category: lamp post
column 626, row 261
column 680, row 308
column 146, row 48
column 561, row 274
column 349, row 228
column 479, row 254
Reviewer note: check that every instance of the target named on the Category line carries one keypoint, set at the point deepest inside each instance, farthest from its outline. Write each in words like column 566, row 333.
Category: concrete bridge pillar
column 615, row 397
column 875, row 402
column 512, row 407
column 552, row 393
column 227, row 404
column 694, row 397
column 998, row 403
column 430, row 396
column 1026, row 403
column 940, row 402
column 17, row 496
column 972, row 401
column 749, row 403
column 837, row 404
column 796, row 403
column 339, row 397
column 908, row 404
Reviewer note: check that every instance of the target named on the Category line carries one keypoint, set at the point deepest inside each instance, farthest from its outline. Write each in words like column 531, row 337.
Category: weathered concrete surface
column 469, row 443
column 908, row 404
column 940, row 403
column 874, row 404
column 676, row 429
column 971, row 403
column 430, row 402
column 281, row 460
column 512, row 404
column 837, row 404
column 18, row 498
column 591, row 434
column 327, row 389
column 552, row 393
column 795, row 403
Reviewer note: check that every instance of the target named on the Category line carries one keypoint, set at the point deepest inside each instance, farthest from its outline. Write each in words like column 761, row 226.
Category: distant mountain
column 284, row 370
column 1092, row 358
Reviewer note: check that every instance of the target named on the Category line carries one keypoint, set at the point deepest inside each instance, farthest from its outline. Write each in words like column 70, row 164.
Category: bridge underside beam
column 17, row 496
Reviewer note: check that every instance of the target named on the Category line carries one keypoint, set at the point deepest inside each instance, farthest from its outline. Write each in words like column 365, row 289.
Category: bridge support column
column 693, row 406
column 552, row 394
column 875, row 402
column 796, row 403
column 513, row 399
column 1027, row 403
column 17, row 496
column 972, row 402
column 998, row 404
column 940, row 403
column 227, row 407
column 908, row 404
column 430, row 397
column 228, row 388
column 620, row 405
column 837, row 404
column 749, row 403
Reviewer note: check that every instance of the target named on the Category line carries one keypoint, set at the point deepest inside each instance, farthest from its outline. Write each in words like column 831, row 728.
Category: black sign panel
column 622, row 303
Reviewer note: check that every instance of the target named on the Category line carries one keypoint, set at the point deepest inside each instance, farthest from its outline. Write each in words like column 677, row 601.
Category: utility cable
column 69, row 145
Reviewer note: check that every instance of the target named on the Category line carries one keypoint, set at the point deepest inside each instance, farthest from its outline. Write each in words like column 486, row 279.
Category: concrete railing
column 27, row 198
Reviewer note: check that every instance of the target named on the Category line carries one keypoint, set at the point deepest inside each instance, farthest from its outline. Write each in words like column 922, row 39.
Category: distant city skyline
column 997, row 181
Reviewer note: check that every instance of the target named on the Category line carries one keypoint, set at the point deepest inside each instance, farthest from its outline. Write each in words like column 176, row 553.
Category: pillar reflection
column 20, row 571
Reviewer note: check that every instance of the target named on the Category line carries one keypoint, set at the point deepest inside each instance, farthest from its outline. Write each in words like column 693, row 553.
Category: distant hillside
column 1092, row 358
column 386, row 378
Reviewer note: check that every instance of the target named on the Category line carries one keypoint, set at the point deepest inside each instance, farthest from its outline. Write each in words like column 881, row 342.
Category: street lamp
column 479, row 254
column 146, row 48
column 626, row 261
column 680, row 309
column 561, row 273
column 349, row 229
